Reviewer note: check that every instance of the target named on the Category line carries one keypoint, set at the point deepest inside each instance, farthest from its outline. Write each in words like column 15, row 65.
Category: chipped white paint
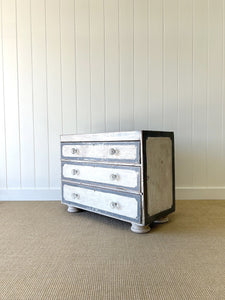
column 117, row 204
column 115, row 176
column 101, row 151
column 103, row 137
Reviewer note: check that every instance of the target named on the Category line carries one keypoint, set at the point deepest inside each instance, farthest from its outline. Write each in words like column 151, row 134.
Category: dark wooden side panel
column 159, row 174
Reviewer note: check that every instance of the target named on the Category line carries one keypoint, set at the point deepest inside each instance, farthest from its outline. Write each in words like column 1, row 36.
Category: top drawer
column 110, row 151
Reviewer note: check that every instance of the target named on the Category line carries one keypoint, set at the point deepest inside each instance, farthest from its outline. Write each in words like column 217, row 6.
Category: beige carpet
column 47, row 253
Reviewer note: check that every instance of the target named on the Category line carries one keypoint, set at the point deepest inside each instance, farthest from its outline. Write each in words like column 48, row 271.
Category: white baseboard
column 45, row 194
column 200, row 193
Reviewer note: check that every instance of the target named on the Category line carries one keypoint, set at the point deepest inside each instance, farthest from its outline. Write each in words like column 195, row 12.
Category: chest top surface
column 103, row 137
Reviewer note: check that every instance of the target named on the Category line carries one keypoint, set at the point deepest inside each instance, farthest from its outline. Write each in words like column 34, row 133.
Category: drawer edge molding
column 103, row 137
column 102, row 211
column 113, row 155
column 103, row 187
column 115, row 184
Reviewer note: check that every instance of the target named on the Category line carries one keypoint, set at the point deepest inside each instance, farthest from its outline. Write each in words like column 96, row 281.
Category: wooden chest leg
column 161, row 220
column 72, row 209
column 140, row 228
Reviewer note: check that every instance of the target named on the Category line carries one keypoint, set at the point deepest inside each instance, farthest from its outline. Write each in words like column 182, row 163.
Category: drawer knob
column 114, row 205
column 74, row 151
column 115, row 176
column 75, row 196
column 113, row 151
column 75, row 172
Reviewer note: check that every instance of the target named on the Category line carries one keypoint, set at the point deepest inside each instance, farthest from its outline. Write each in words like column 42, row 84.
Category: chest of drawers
column 124, row 175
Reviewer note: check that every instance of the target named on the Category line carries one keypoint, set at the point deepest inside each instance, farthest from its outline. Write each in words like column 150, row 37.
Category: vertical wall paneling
column 170, row 112
column 126, row 15
column 3, row 171
column 68, row 66
column 80, row 66
column 141, row 64
column 223, row 87
column 200, row 73
column 214, row 107
column 39, row 79
column 25, row 93
column 82, row 27
column 54, row 88
column 185, row 93
column 155, row 64
column 11, row 93
column 97, row 65
column 112, row 71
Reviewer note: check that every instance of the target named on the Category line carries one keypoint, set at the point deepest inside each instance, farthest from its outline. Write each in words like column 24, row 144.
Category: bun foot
column 140, row 228
column 161, row 220
column 72, row 209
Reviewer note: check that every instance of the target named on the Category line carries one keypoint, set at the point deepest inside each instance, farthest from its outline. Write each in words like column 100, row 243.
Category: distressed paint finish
column 126, row 177
column 97, row 186
column 103, row 137
column 159, row 174
column 116, row 203
column 102, row 151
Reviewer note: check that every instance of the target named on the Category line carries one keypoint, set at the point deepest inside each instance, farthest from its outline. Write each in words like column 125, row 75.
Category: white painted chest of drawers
column 124, row 175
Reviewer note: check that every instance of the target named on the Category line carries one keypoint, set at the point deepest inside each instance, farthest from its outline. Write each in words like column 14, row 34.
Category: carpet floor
column 47, row 253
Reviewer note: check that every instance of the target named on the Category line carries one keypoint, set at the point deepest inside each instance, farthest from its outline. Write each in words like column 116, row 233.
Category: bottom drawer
column 119, row 205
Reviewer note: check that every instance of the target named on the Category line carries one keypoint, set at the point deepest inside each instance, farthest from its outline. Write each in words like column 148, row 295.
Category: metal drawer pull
column 113, row 151
column 75, row 172
column 115, row 176
column 114, row 205
column 75, row 196
column 74, row 151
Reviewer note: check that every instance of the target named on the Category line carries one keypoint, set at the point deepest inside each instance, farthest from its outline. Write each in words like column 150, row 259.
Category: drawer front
column 115, row 204
column 107, row 175
column 109, row 151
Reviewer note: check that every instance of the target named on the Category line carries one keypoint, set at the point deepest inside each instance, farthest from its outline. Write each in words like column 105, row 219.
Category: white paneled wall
column 79, row 66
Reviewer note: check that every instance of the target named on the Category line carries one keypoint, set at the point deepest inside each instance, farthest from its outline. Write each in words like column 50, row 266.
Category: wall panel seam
column 178, row 65
column 60, row 64
column 90, row 68
column 148, row 64
column 3, row 94
column 193, row 62
column 47, row 102
column 32, row 91
column 119, row 69
column 223, row 78
column 163, row 63
column 18, row 97
column 103, row 3
column 133, row 118
column 75, row 61
column 207, row 101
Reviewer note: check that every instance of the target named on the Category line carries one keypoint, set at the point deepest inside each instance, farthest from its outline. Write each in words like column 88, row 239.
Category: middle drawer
column 123, row 177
